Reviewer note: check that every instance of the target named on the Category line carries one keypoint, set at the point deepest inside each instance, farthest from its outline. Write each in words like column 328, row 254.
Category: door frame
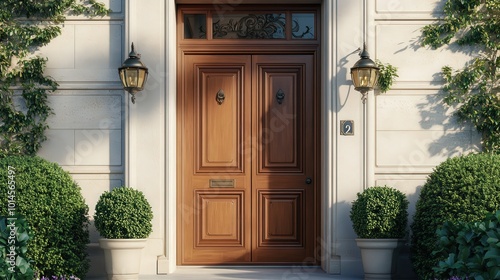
column 250, row 47
column 330, row 260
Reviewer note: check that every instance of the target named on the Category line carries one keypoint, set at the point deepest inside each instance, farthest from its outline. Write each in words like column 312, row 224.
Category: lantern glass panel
column 132, row 76
column 122, row 77
column 364, row 77
column 373, row 77
column 141, row 79
column 355, row 77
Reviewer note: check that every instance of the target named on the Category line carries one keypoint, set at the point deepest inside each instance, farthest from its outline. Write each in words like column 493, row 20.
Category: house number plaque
column 347, row 127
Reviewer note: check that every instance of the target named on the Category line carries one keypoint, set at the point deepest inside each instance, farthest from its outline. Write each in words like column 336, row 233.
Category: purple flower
column 59, row 278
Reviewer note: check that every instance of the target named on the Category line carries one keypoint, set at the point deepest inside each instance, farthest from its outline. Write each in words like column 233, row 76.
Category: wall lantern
column 133, row 73
column 364, row 74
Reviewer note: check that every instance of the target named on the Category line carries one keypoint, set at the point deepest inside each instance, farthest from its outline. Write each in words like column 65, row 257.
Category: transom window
column 263, row 24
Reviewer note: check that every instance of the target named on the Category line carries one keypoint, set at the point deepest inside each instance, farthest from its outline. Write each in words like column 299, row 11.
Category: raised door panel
column 219, row 115
column 281, row 216
column 279, row 123
column 219, row 218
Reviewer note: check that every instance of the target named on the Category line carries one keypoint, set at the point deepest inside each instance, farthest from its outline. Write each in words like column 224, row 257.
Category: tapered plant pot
column 377, row 257
column 122, row 257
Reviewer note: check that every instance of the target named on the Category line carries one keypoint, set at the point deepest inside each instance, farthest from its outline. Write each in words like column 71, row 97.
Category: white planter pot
column 377, row 256
column 122, row 257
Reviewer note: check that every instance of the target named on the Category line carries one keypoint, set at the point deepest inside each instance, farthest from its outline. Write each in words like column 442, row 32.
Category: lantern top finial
column 133, row 54
column 365, row 61
column 363, row 54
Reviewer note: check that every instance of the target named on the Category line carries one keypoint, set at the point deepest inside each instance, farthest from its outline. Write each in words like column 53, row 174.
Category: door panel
column 215, row 194
column 283, row 203
column 219, row 115
column 247, row 151
column 219, row 218
column 280, row 218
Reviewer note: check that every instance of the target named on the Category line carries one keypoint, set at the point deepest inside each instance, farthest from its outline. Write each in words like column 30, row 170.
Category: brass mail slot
column 222, row 183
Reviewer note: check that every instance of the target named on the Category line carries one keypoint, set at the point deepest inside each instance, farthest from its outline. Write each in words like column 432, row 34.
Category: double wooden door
column 248, row 180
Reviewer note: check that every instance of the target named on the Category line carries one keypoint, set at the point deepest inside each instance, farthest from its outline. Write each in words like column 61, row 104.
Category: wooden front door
column 248, row 180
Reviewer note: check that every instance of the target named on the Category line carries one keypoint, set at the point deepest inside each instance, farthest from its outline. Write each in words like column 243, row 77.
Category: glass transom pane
column 303, row 26
column 195, row 26
column 249, row 26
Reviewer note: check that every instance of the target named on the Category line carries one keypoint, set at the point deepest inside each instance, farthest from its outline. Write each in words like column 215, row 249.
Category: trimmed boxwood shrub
column 123, row 213
column 52, row 203
column 463, row 189
column 380, row 212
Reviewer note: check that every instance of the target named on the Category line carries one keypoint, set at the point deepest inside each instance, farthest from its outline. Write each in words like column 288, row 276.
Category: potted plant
column 123, row 218
column 379, row 217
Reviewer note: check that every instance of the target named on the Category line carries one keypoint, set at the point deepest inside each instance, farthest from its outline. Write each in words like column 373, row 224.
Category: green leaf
column 25, row 130
column 492, row 253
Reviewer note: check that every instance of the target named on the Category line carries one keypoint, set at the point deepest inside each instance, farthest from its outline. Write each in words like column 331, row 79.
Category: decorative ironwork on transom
column 249, row 26
column 215, row 24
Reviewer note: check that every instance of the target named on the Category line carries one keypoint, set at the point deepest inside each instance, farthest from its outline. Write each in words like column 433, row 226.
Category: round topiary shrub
column 123, row 213
column 52, row 203
column 459, row 189
column 380, row 212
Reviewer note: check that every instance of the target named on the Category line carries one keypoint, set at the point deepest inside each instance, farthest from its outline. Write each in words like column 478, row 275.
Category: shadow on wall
column 445, row 135
column 345, row 64
column 449, row 137
column 456, row 137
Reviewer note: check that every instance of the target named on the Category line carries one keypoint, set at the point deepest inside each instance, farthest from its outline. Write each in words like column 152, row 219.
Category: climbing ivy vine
column 386, row 76
column 25, row 26
column 474, row 25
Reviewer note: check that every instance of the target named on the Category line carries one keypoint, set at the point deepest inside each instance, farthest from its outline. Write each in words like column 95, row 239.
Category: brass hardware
column 280, row 95
column 220, row 96
column 222, row 183
column 309, row 180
